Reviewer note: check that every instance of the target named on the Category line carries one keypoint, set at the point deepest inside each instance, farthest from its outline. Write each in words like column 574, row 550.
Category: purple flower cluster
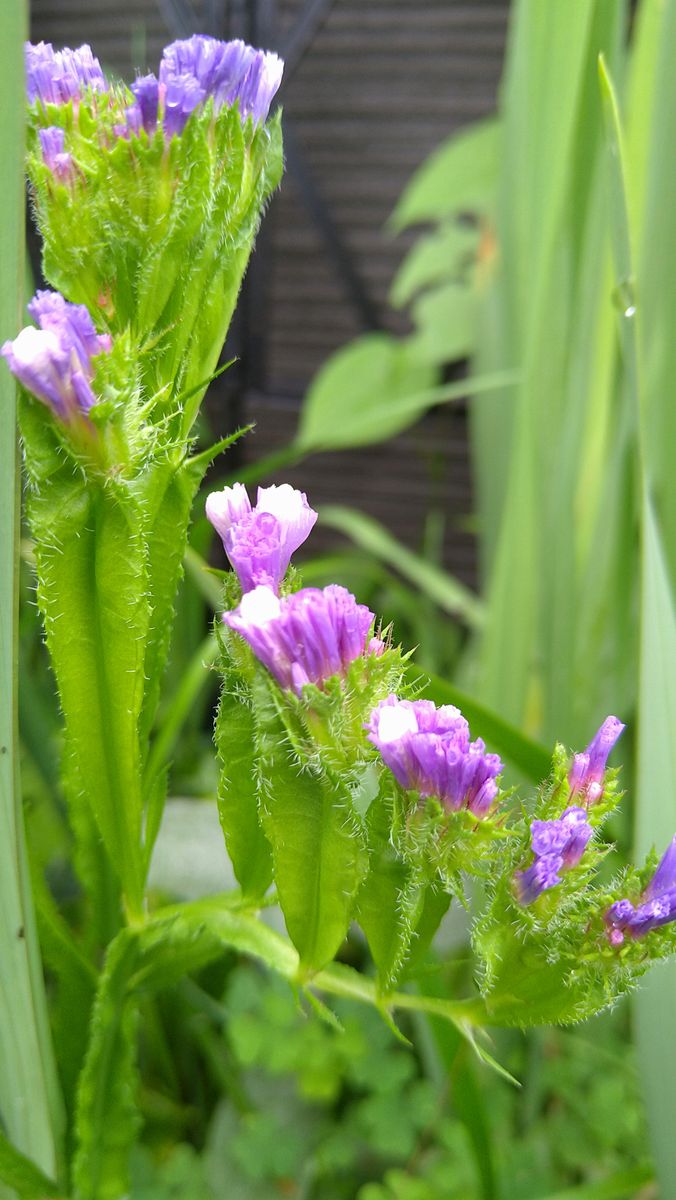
column 657, row 907
column 54, row 362
column 586, row 773
column 52, row 144
column 260, row 541
column 428, row 751
column 57, row 76
column 194, row 69
column 307, row 637
column 557, row 845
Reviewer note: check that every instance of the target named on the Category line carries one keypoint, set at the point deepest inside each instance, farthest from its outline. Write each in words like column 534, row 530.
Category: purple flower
column 307, row 637
column 56, row 76
column 54, row 361
column 428, row 751
column 658, row 905
column 557, row 845
column 52, row 144
column 143, row 114
column 587, row 770
column 259, row 542
column 182, row 94
column 228, row 71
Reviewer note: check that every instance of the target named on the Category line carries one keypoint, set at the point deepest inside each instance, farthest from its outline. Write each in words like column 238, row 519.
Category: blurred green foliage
column 334, row 1114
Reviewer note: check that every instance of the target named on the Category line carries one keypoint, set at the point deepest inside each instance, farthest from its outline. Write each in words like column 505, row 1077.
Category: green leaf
column 248, row 847
column 93, row 595
column 434, row 259
column 445, row 319
column 318, row 847
column 435, row 583
column 21, row 1175
column 30, row 1106
column 353, row 399
column 460, row 176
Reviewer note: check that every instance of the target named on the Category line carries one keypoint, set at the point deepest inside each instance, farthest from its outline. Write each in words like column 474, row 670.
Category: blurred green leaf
column 459, row 177
column 350, row 401
column 433, row 259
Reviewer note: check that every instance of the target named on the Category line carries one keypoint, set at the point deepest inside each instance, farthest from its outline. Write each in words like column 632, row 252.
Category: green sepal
column 318, row 842
column 238, row 785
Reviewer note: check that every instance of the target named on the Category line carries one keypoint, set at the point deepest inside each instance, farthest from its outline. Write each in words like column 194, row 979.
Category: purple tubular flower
column 143, row 114
column 307, row 637
column 227, row 71
column 52, row 144
column 57, row 76
column 54, row 361
column 558, row 845
column 658, row 905
column 259, row 542
column 587, row 769
column 181, row 96
column 428, row 751
column 541, row 875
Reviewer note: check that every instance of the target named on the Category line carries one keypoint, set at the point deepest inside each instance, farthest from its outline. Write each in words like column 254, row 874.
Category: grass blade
column 29, row 1103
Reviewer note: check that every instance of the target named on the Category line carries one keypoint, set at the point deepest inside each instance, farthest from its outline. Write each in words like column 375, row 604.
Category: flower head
column 259, row 542
column 56, row 76
column 428, row 751
column 54, row 361
column 307, row 637
column 229, row 72
column 52, row 144
column 587, row 770
column 558, row 845
column 658, row 906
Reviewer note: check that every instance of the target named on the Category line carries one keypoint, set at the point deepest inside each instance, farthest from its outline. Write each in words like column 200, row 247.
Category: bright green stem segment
column 29, row 1103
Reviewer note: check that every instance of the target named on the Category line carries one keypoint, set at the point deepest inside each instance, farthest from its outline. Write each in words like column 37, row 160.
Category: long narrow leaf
column 29, row 1104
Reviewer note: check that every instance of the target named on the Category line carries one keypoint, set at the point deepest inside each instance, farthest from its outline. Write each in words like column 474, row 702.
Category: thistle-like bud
column 587, row 769
column 57, row 76
column 54, row 361
column 558, row 845
column 657, row 904
column 259, row 542
column 428, row 751
column 230, row 72
column 307, row 637
column 52, row 144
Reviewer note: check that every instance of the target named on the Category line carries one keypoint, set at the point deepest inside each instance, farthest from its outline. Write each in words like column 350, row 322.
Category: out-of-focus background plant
column 532, row 312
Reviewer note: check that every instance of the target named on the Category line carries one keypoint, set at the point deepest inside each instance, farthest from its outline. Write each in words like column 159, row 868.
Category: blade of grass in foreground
column 29, row 1104
column 656, row 776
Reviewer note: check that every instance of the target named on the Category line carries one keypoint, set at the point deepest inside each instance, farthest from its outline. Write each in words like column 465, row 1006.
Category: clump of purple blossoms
column 52, row 144
column 57, row 76
column 428, row 751
column 196, row 68
column 657, row 907
column 587, row 770
column 260, row 541
column 54, row 362
column 307, row 637
column 557, row 845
